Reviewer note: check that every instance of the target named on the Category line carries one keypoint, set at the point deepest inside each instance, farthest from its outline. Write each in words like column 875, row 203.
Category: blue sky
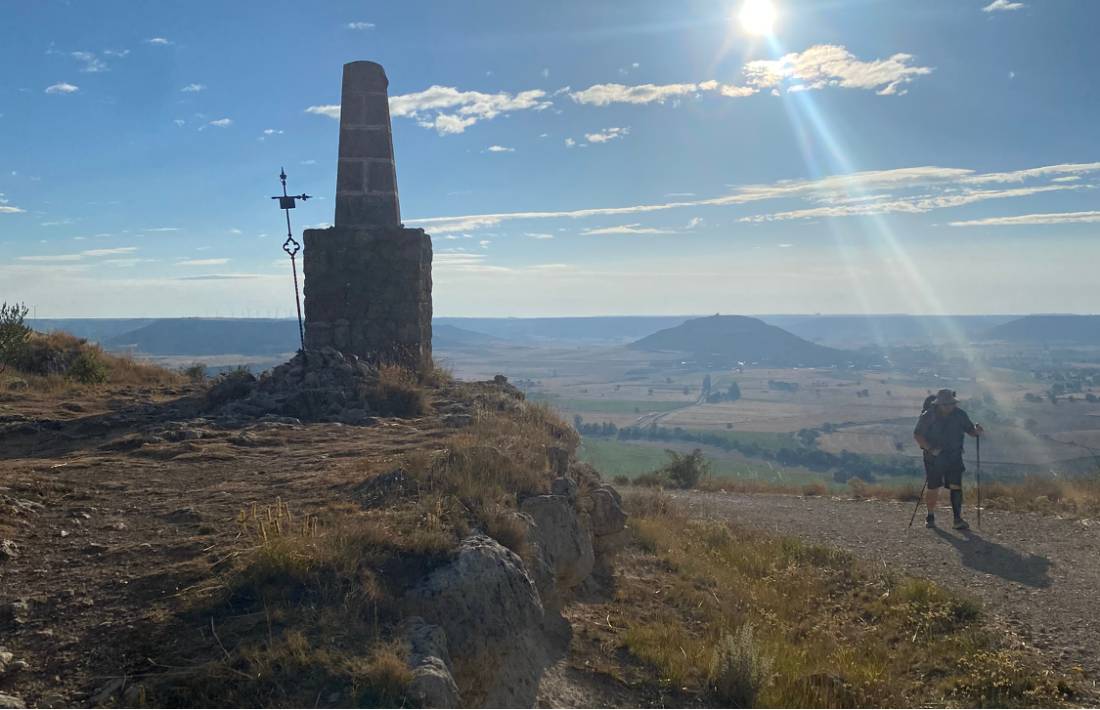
column 568, row 158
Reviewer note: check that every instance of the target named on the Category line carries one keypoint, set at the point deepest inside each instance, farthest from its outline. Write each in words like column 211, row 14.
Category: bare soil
column 120, row 501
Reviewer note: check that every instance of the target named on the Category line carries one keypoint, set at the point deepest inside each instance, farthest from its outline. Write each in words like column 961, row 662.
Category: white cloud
column 500, row 149
column 1068, row 171
column 694, row 222
column 120, row 53
column 78, row 256
column 330, row 110
column 161, row 229
column 915, row 205
column 844, row 195
column 10, row 209
column 833, row 65
column 159, row 41
column 1002, row 6
column 272, row 132
column 109, row 252
column 202, row 262
column 484, row 243
column 784, row 246
column 222, row 122
column 193, row 88
column 179, row 121
column 92, row 63
column 360, row 25
column 545, row 73
column 538, row 235
column 604, row 94
column 62, row 87
column 234, row 230
column 607, row 134
column 569, row 142
column 626, row 229
column 1049, row 218
column 448, row 110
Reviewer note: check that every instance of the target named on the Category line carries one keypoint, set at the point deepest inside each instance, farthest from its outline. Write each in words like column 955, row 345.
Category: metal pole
column 917, row 506
column 292, row 247
column 978, row 446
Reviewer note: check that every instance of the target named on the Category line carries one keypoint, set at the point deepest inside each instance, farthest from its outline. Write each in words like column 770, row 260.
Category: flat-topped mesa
column 366, row 178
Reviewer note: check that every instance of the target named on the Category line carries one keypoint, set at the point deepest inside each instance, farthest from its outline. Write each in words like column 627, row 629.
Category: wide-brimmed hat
column 946, row 397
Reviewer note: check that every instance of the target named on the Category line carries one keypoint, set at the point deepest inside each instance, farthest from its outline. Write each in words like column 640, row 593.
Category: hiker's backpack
column 927, row 403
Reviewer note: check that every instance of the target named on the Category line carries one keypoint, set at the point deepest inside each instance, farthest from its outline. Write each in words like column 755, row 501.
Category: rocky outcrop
column 489, row 609
column 560, row 538
column 432, row 685
column 322, row 385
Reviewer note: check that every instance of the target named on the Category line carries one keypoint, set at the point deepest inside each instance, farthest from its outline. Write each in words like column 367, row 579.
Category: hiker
column 939, row 433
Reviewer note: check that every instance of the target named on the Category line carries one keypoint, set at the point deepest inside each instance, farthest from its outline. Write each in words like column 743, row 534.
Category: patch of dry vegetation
column 53, row 362
column 740, row 617
column 306, row 610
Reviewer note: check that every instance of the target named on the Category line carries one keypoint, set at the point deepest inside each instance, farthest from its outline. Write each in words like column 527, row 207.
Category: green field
column 623, row 458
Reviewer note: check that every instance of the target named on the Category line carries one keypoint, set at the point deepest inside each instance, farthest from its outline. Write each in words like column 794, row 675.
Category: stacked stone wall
column 369, row 292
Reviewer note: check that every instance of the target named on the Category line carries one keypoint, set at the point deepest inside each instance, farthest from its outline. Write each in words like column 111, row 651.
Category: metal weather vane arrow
column 291, row 246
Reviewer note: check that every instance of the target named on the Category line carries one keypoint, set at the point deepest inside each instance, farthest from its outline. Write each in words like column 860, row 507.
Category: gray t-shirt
column 945, row 432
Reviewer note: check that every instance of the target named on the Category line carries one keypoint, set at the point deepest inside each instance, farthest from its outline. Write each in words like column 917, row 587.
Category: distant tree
column 578, row 422
column 734, row 392
column 686, row 470
column 650, row 392
column 687, row 390
column 729, row 425
column 14, row 333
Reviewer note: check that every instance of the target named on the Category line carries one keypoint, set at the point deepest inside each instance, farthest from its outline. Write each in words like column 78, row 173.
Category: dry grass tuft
column 398, row 392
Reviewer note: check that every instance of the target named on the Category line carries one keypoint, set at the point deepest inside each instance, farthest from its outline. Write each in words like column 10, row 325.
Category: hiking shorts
column 944, row 470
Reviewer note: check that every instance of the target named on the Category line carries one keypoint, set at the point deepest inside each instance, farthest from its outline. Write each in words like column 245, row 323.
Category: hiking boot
column 930, row 521
column 960, row 524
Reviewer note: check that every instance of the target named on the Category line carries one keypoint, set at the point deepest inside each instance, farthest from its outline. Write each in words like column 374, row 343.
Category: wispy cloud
column 221, row 123
column 500, row 149
column 852, row 194
column 360, row 25
column 607, row 134
column 7, row 208
column 62, row 87
column 202, row 262
column 91, row 64
column 626, row 229
column 1048, row 218
column 1003, row 6
column 193, row 88
column 90, row 253
column 158, row 41
column 538, row 235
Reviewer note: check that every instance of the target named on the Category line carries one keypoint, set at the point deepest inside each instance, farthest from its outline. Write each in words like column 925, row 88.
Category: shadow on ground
column 981, row 555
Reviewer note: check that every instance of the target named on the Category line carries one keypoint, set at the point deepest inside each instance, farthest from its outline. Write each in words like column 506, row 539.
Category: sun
column 757, row 17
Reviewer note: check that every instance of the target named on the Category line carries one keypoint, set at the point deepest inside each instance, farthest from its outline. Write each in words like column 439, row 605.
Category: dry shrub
column 817, row 488
column 398, row 392
column 739, row 670
column 51, row 359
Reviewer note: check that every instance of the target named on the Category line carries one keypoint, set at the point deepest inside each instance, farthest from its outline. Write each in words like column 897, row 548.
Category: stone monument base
column 368, row 292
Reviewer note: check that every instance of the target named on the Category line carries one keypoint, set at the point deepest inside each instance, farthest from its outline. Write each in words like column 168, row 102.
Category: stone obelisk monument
column 368, row 279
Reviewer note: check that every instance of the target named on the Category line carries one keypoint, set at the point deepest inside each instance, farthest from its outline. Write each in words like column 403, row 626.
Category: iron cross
column 291, row 246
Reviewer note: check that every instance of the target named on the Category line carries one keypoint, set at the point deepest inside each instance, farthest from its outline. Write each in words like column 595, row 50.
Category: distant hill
column 729, row 339
column 96, row 329
column 210, row 336
column 445, row 337
column 1077, row 330
column 245, row 336
column 593, row 330
column 853, row 331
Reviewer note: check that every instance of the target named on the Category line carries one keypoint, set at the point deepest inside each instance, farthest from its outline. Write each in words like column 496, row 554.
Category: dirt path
column 1038, row 574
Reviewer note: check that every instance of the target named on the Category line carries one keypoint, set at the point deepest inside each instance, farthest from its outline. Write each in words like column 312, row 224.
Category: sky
column 570, row 158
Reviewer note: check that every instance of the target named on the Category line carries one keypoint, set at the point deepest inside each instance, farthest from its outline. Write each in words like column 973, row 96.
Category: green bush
column 686, row 470
column 13, row 333
column 88, row 369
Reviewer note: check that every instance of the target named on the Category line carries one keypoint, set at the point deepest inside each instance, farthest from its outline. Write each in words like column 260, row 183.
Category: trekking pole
column 978, row 447
column 917, row 506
